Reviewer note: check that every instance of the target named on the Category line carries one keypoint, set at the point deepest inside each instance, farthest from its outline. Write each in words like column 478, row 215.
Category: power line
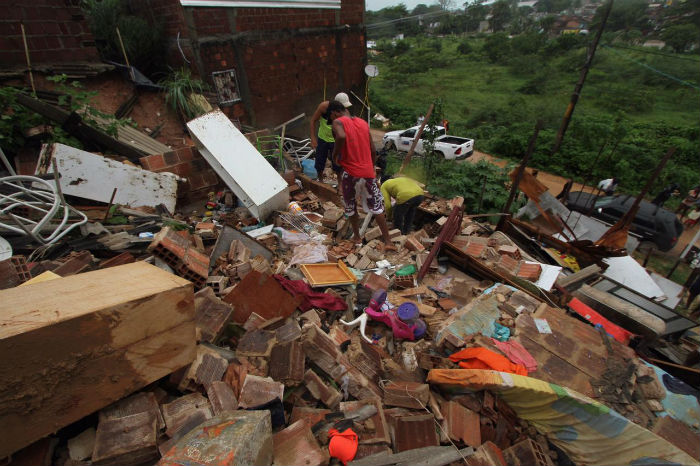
column 651, row 68
column 391, row 21
column 654, row 52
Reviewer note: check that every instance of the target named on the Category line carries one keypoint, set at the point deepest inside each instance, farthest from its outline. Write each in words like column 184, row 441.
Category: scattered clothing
column 483, row 358
column 517, row 353
column 312, row 299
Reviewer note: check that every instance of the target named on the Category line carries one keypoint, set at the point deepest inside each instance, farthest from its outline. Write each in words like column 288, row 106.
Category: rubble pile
column 295, row 345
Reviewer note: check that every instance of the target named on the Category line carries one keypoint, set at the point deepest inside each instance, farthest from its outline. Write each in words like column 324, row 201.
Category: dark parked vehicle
column 652, row 223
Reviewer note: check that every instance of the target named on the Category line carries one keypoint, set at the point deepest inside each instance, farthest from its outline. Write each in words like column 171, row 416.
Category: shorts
column 369, row 190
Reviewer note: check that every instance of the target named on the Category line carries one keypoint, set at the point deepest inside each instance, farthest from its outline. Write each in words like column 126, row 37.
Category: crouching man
column 354, row 152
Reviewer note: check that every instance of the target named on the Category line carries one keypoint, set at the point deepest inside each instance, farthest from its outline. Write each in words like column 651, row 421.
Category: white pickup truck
column 450, row 147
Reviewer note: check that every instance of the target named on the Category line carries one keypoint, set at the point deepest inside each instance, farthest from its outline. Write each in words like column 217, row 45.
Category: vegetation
column 636, row 103
column 144, row 42
column 464, row 179
column 179, row 87
column 15, row 119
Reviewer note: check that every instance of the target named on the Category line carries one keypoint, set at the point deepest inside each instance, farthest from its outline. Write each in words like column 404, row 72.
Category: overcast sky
column 375, row 5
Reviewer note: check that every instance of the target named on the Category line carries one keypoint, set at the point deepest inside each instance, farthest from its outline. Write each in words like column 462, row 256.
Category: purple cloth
column 312, row 299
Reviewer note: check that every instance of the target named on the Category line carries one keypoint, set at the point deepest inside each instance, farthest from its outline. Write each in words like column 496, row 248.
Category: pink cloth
column 517, row 353
column 312, row 298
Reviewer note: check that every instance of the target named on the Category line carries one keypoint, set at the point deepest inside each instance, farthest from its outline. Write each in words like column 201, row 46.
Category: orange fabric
column 483, row 358
column 343, row 445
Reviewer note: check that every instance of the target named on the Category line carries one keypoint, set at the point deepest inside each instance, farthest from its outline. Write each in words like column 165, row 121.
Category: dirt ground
column 149, row 111
column 555, row 183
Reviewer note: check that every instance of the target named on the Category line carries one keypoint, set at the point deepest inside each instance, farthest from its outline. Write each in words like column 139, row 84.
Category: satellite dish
column 372, row 71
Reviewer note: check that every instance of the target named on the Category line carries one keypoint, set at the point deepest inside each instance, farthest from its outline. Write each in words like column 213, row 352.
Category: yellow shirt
column 402, row 189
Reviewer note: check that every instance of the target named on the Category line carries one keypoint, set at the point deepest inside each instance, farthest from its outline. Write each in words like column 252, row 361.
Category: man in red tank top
column 354, row 151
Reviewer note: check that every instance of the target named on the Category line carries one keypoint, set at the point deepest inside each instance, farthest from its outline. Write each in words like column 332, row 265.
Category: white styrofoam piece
column 239, row 164
column 91, row 176
column 670, row 288
column 260, row 231
column 548, row 276
column 630, row 273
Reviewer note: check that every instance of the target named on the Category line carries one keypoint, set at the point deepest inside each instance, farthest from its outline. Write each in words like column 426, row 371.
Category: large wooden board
column 72, row 346
column 576, row 342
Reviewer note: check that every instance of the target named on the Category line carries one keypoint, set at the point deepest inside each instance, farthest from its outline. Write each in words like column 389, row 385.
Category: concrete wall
column 56, row 31
column 280, row 54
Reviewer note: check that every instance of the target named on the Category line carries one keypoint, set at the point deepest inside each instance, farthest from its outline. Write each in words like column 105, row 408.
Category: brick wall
column 57, row 32
column 187, row 163
column 284, row 53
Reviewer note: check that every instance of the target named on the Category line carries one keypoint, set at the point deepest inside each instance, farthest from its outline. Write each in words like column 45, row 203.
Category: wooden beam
column 409, row 154
column 77, row 344
column 74, row 124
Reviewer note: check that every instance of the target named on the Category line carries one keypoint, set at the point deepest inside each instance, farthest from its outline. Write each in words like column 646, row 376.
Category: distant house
column 528, row 3
column 656, row 44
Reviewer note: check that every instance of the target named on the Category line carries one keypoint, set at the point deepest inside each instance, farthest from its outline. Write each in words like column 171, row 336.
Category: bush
column 497, row 47
column 144, row 43
column 179, row 86
column 464, row 47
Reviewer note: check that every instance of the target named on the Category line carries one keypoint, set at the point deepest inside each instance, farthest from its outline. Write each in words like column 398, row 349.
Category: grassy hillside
column 494, row 89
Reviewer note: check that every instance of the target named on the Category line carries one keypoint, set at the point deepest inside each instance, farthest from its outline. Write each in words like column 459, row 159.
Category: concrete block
column 228, row 439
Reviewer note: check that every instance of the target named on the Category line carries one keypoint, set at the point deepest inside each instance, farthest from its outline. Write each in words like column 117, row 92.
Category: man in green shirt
column 408, row 196
column 322, row 136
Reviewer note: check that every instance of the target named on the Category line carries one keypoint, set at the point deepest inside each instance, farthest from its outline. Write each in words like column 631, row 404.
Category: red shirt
column 355, row 155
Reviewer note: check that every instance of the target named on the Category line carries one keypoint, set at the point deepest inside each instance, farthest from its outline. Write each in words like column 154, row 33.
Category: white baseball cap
column 343, row 98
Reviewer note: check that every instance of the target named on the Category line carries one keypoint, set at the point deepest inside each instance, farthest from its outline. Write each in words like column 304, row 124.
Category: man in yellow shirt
column 408, row 196
column 322, row 136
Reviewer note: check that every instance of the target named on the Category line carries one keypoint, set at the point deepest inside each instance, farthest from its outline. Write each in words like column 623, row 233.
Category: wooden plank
column 578, row 277
column 552, row 368
column 85, row 341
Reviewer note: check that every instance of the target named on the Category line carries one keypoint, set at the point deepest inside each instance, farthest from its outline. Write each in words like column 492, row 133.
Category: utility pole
column 579, row 85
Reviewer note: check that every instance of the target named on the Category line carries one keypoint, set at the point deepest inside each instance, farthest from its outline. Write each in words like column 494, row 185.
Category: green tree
column 497, row 47
column 680, row 36
column 501, row 14
column 625, row 14
column 547, row 23
column 474, row 14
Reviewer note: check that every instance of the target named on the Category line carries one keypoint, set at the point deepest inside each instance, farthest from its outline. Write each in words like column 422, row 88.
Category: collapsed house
column 255, row 333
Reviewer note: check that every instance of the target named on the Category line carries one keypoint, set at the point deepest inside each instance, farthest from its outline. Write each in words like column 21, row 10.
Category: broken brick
column 297, row 445
column 328, row 395
column 221, row 397
column 177, row 413
column 406, row 394
column 121, row 259
column 462, row 424
column 372, row 430
column 527, row 453
column 126, row 440
column 211, row 315
column 257, row 391
column 287, row 363
column 144, row 402
column 529, row 272
column 415, row 431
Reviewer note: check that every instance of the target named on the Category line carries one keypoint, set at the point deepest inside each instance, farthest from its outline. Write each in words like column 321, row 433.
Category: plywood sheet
column 91, row 176
column 83, row 342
